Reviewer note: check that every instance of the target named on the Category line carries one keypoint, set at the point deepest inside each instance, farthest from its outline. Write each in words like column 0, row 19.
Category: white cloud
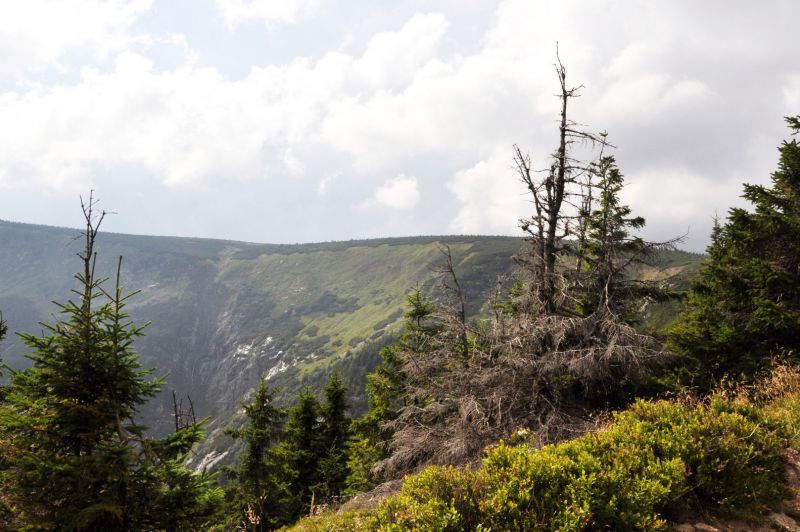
column 415, row 99
column 648, row 97
column 393, row 58
column 791, row 94
column 400, row 192
column 191, row 124
column 268, row 11
column 448, row 105
column 492, row 197
column 678, row 200
column 37, row 33
column 325, row 183
column 180, row 127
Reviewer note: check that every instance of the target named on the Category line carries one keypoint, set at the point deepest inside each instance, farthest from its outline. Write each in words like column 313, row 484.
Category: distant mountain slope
column 222, row 312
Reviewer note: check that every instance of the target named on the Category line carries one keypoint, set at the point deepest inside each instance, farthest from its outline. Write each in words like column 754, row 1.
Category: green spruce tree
column 371, row 440
column 332, row 468
column 78, row 460
column 386, row 394
column 261, row 482
column 301, row 445
column 608, row 249
column 745, row 306
column 315, row 443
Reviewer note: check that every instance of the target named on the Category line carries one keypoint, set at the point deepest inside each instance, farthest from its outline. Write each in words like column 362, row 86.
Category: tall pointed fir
column 386, row 392
column 260, row 487
column 302, row 448
column 79, row 460
column 745, row 306
column 333, row 470
column 608, row 248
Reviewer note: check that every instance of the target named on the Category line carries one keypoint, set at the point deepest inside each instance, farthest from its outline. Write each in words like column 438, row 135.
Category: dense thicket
column 562, row 345
column 288, row 469
column 745, row 305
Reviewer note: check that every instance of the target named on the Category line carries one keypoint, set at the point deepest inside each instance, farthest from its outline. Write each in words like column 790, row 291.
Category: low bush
column 334, row 522
column 654, row 463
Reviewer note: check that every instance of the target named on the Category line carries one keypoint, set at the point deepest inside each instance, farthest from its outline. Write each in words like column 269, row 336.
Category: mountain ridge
column 212, row 294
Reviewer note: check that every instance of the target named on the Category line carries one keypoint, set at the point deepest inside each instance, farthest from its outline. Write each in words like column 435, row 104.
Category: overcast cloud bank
column 304, row 120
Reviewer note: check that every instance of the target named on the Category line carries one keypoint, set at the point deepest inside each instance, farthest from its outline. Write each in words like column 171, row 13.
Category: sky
column 288, row 121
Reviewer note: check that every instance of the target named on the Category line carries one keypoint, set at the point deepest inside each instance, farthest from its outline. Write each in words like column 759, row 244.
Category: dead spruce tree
column 558, row 348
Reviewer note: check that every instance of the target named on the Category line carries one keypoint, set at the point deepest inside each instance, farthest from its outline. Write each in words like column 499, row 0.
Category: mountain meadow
column 577, row 377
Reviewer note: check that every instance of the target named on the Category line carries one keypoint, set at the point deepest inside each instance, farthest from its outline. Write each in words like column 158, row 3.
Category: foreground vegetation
column 656, row 462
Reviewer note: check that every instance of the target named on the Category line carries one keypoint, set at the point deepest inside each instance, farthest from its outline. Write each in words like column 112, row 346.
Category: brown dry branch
column 545, row 373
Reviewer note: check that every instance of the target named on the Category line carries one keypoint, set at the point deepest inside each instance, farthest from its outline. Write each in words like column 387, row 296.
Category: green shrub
column 438, row 498
column 657, row 460
column 333, row 522
column 655, row 463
